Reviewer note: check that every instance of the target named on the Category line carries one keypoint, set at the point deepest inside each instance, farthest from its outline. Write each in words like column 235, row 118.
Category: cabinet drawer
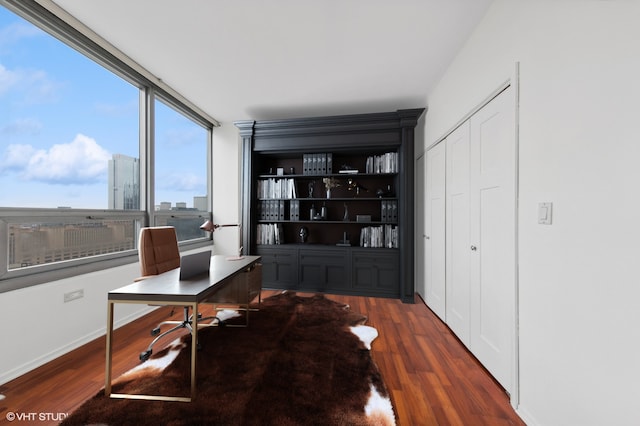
column 279, row 268
column 376, row 271
column 323, row 269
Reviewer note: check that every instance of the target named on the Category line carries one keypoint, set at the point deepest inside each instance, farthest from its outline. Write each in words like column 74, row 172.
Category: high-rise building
column 200, row 203
column 124, row 183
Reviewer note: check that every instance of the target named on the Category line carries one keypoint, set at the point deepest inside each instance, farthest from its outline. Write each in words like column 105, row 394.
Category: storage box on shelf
column 328, row 202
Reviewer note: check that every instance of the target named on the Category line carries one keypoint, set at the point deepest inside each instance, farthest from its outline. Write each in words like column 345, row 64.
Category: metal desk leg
column 194, row 349
column 109, row 354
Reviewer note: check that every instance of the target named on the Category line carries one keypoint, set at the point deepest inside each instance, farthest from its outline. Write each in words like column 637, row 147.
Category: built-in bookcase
column 328, row 202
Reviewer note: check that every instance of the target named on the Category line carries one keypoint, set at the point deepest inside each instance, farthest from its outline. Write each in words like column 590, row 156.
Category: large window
column 80, row 172
column 63, row 118
column 180, row 172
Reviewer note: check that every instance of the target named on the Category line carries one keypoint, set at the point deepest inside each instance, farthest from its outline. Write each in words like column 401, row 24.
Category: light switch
column 544, row 213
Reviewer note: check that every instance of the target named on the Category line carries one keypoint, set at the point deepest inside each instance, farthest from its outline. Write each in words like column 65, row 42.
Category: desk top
column 168, row 287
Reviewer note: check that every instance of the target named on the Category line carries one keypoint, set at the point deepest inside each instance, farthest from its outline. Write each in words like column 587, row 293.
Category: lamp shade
column 208, row 226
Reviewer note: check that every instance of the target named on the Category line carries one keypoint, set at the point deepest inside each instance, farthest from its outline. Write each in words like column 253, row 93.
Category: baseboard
column 7, row 376
column 526, row 416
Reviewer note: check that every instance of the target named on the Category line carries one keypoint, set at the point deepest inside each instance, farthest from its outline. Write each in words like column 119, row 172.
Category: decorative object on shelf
column 352, row 185
column 280, row 171
column 312, row 212
column 382, row 193
column 345, row 217
column 363, row 218
column 311, row 186
column 389, row 192
column 209, row 226
column 347, row 169
column 304, row 234
column 323, row 211
column 344, row 242
column 330, row 183
column 292, row 170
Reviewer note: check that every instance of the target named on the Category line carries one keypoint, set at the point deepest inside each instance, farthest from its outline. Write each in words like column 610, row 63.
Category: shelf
column 316, row 246
column 284, row 165
column 330, row 199
column 330, row 222
column 333, row 175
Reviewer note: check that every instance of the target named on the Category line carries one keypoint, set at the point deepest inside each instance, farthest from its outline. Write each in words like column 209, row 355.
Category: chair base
column 185, row 323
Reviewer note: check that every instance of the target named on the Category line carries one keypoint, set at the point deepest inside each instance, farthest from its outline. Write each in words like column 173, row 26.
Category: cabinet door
column 322, row 270
column 492, row 231
column 279, row 267
column 457, row 234
column 435, row 296
column 375, row 272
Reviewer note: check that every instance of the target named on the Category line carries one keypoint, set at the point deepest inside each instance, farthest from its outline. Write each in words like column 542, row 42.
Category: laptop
column 192, row 265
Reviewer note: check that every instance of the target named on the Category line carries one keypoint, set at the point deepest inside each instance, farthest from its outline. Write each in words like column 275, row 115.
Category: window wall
column 180, row 171
column 90, row 151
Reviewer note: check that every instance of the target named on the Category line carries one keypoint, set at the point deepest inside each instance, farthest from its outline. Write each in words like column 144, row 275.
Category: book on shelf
column 385, row 163
column 269, row 233
column 294, row 210
column 274, row 188
column 379, row 236
column 271, row 210
column 389, row 211
column 317, row 164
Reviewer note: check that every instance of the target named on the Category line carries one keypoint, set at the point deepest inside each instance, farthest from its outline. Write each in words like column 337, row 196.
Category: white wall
column 227, row 158
column 37, row 326
column 579, row 148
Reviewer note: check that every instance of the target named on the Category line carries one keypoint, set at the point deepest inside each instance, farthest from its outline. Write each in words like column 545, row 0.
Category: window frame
column 150, row 89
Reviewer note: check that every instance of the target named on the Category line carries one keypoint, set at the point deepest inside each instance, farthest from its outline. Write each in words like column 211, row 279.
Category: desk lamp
column 209, row 226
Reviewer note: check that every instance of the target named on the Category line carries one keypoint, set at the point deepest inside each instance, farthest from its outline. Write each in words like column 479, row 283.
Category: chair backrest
column 158, row 250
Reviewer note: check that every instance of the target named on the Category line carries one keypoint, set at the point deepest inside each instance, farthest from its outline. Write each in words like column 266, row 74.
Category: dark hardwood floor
column 432, row 378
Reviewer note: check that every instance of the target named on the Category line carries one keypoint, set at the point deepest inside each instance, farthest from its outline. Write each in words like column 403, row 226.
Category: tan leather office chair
column 158, row 252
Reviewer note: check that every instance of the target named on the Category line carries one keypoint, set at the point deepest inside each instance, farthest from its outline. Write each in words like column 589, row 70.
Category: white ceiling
column 258, row 59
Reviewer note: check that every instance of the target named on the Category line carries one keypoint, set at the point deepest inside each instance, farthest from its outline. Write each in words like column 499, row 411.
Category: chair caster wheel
column 155, row 331
column 145, row 355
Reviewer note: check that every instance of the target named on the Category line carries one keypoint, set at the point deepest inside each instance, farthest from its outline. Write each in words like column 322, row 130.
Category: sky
column 62, row 117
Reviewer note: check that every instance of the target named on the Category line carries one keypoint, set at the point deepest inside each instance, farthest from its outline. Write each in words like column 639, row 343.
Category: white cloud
column 17, row 31
column 178, row 138
column 33, row 86
column 8, row 79
column 16, row 157
column 118, row 110
column 29, row 126
column 81, row 161
column 181, row 182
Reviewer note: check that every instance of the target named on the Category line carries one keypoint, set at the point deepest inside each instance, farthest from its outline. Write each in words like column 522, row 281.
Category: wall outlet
column 73, row 295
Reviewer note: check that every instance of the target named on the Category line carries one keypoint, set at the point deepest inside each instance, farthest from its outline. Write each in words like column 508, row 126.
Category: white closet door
column 420, row 225
column 492, row 231
column 457, row 233
column 435, row 230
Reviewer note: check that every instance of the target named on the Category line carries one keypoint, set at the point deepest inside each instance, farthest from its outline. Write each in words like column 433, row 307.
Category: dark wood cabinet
column 375, row 271
column 279, row 267
column 328, row 202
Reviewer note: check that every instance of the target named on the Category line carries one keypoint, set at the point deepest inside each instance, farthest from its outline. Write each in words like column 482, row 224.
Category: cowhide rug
column 301, row 361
